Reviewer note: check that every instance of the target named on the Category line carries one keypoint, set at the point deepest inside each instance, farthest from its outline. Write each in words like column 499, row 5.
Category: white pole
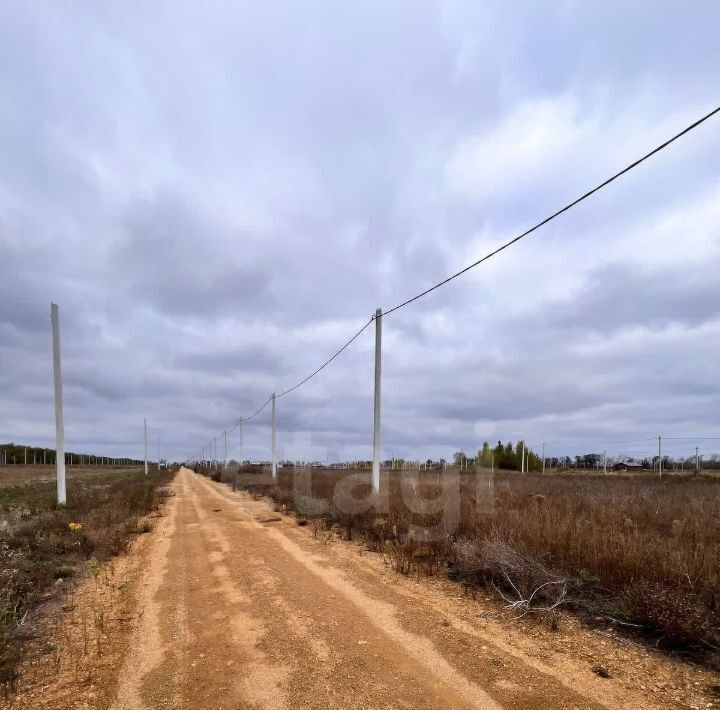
column 240, row 453
column 59, row 426
column 697, row 460
column 543, row 468
column 376, row 421
column 145, row 424
column 274, row 441
column 659, row 456
column 225, row 461
column 604, row 461
column 522, row 459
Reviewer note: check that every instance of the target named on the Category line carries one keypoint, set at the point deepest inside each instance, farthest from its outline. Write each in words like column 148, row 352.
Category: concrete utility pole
column 522, row 459
column 376, row 419
column 697, row 460
column 235, row 475
column 660, row 456
column 604, row 461
column 274, row 441
column 145, row 425
column 240, row 453
column 59, row 426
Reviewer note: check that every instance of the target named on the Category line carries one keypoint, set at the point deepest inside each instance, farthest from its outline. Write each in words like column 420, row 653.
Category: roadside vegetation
column 638, row 552
column 42, row 545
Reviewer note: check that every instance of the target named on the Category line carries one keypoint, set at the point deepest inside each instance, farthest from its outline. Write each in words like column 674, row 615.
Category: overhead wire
column 496, row 251
column 253, row 415
column 567, row 207
column 327, row 362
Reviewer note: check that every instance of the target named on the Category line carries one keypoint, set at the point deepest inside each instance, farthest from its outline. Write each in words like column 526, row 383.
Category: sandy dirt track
column 241, row 608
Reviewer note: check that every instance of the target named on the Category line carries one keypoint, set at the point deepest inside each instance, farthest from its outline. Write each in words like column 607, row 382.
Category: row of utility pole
column 70, row 459
column 206, row 453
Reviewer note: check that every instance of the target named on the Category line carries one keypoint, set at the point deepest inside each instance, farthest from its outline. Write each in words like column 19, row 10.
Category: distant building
column 627, row 467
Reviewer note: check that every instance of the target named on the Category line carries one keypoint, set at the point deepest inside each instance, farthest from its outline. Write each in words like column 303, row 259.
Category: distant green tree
column 534, row 462
column 509, row 461
column 485, row 455
column 498, row 452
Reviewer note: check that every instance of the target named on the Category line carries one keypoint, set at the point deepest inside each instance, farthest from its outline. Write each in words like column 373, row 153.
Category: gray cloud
column 219, row 199
column 617, row 296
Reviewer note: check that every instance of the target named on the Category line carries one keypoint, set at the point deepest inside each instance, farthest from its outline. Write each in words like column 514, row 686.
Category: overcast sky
column 219, row 194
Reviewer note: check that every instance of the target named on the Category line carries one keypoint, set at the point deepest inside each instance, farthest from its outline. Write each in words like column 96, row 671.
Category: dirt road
column 241, row 608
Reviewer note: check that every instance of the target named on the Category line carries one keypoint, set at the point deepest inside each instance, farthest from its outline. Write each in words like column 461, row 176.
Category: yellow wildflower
column 74, row 526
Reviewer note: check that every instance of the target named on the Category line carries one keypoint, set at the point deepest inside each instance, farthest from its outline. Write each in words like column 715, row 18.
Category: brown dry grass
column 39, row 546
column 12, row 475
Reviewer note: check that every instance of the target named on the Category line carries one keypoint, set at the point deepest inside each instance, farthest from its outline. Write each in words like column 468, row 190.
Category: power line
column 309, row 377
column 692, row 438
column 569, row 442
column 570, row 205
column 327, row 362
column 252, row 416
column 493, row 253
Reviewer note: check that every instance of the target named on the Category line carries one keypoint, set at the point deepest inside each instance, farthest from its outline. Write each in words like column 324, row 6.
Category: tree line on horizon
column 505, row 456
column 509, row 457
column 12, row 453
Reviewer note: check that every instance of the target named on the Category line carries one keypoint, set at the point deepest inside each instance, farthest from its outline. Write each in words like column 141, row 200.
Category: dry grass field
column 236, row 600
column 43, row 545
column 637, row 552
column 12, row 475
